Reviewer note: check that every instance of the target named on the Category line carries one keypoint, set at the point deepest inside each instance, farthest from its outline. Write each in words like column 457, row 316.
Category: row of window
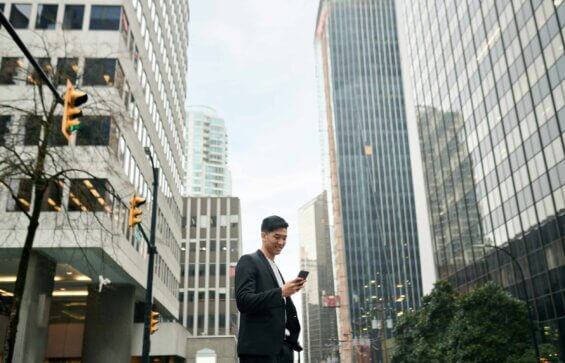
column 154, row 19
column 94, row 131
column 85, row 195
column 154, row 65
column 151, row 103
column 102, row 17
column 97, row 71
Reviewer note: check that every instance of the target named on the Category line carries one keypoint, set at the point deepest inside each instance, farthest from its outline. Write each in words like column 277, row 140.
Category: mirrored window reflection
column 32, row 130
column 19, row 15
column 33, row 77
column 21, row 188
column 89, row 195
column 5, row 121
column 56, row 137
column 67, row 68
column 46, row 16
column 94, row 131
column 73, row 18
column 9, row 68
column 2, row 10
column 99, row 71
column 52, row 197
column 105, row 17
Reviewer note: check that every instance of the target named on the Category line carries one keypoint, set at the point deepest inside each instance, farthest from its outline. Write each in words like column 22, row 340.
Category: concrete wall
column 169, row 340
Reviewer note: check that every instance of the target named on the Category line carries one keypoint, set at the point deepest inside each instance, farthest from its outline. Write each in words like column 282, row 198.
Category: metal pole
column 532, row 326
column 28, row 55
column 152, row 252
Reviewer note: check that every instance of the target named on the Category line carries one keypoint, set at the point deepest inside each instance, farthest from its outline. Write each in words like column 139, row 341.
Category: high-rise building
column 207, row 172
column 210, row 250
column 87, row 279
column 319, row 320
column 374, row 217
column 488, row 82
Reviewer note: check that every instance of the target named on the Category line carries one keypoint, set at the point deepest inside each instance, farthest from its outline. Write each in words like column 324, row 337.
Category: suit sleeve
column 247, row 299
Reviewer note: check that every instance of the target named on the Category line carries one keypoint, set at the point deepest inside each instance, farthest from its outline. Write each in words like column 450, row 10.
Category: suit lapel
column 267, row 266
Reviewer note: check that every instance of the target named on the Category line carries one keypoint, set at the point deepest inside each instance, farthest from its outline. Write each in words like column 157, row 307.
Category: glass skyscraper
column 374, row 219
column 488, row 80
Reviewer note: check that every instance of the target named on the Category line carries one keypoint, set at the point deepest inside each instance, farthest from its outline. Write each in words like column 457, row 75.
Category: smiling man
column 269, row 327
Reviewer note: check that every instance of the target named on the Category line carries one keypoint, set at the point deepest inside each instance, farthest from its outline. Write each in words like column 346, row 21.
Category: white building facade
column 130, row 57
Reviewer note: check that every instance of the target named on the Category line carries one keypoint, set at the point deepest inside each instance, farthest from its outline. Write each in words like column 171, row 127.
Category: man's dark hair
column 271, row 223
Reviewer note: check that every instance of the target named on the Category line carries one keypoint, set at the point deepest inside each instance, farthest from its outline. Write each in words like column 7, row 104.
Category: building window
column 94, row 131
column 32, row 130
column 2, row 10
column 22, row 189
column 46, row 16
column 105, row 17
column 52, row 198
column 73, row 18
column 33, row 77
column 5, row 121
column 88, row 195
column 67, row 68
column 125, row 26
column 56, row 137
column 9, row 70
column 19, row 15
column 99, row 71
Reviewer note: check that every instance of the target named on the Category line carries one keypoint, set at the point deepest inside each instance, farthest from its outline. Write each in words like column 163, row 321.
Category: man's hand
column 293, row 286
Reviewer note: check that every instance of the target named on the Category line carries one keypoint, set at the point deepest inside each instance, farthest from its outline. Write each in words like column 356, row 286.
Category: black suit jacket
column 262, row 307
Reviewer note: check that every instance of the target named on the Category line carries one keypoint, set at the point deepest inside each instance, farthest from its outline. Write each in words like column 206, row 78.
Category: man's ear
column 263, row 236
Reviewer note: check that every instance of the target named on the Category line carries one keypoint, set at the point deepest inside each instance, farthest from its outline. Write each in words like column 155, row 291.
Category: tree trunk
column 40, row 184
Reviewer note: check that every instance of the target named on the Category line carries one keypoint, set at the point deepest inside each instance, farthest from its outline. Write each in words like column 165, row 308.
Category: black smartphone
column 303, row 274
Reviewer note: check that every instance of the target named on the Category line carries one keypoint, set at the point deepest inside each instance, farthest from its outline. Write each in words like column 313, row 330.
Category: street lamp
column 532, row 327
column 152, row 251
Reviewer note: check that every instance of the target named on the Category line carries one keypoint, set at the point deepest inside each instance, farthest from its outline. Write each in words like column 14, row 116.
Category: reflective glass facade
column 489, row 84
column 367, row 132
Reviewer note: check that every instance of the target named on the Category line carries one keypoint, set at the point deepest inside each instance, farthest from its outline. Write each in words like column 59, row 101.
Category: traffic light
column 155, row 319
column 73, row 99
column 134, row 203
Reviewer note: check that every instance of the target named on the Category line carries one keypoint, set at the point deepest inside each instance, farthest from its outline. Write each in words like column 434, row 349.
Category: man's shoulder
column 249, row 257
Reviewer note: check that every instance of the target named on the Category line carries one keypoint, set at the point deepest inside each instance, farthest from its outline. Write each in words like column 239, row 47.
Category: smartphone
column 303, row 274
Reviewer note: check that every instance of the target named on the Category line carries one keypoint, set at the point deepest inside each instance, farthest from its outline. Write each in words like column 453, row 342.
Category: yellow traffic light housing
column 134, row 213
column 155, row 319
column 73, row 99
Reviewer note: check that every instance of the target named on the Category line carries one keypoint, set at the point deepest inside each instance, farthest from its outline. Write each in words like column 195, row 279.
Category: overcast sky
column 253, row 61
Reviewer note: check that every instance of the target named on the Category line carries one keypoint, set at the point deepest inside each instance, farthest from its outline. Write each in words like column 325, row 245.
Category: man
column 269, row 327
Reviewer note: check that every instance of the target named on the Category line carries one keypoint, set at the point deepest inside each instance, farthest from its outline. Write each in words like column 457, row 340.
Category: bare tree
column 34, row 168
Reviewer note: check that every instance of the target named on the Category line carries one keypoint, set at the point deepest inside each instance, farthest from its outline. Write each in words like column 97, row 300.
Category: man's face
column 274, row 241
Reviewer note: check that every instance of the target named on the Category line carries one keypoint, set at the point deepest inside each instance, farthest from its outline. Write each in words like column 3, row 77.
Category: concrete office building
column 210, row 250
column 488, row 82
column 207, row 172
column 371, row 190
column 319, row 320
column 131, row 58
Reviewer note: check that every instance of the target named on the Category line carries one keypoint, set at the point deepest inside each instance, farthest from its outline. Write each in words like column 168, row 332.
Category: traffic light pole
column 152, row 251
column 29, row 57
